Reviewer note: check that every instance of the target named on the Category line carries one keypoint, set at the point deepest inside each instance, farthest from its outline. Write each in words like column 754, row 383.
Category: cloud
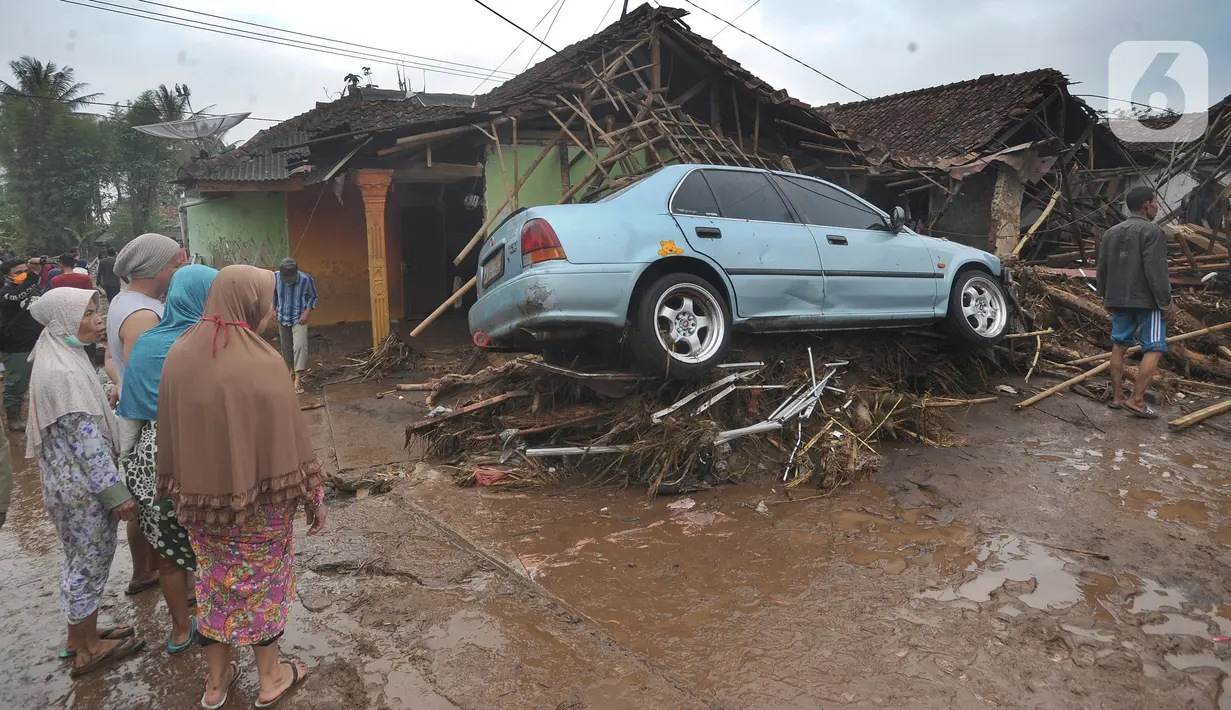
column 867, row 46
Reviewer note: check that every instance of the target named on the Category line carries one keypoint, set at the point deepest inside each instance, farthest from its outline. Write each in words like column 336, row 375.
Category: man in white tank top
column 146, row 265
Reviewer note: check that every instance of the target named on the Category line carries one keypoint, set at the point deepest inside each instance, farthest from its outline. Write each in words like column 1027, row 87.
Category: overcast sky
column 876, row 47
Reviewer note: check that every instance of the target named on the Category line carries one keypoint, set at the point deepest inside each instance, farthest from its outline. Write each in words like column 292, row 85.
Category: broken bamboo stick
column 416, row 426
column 1037, row 223
column 445, row 306
column 1031, row 334
column 1201, row 415
column 1173, row 339
column 1063, row 385
column 1225, row 351
column 941, row 404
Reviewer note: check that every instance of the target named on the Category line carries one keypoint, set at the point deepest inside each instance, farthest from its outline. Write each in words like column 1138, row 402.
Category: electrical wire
column 508, row 56
column 312, row 36
column 547, row 33
column 17, row 94
column 724, row 27
column 779, row 51
column 236, row 32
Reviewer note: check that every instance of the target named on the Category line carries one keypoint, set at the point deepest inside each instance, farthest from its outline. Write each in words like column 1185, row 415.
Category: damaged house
column 384, row 198
column 985, row 161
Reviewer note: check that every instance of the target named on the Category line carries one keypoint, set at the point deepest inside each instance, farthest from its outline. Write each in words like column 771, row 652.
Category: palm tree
column 46, row 81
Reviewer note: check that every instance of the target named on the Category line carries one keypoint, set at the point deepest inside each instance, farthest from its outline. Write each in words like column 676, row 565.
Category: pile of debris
column 802, row 409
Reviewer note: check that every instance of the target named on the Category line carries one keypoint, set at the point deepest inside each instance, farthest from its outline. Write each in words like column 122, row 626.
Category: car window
column 821, row 204
column 693, row 197
column 747, row 195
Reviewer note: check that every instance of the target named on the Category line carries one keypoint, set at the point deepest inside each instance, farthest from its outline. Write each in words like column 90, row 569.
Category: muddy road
column 1065, row 557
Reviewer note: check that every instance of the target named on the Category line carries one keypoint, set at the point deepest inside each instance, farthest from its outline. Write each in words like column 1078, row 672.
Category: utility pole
column 625, row 10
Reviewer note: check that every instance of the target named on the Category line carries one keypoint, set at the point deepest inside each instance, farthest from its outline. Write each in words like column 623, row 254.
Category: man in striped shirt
column 294, row 300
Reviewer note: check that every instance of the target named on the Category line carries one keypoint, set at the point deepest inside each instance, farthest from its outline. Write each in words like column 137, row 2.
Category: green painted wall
column 240, row 228
column 543, row 185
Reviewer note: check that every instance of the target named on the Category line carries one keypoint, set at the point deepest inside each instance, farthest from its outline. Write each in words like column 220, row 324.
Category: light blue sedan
column 681, row 258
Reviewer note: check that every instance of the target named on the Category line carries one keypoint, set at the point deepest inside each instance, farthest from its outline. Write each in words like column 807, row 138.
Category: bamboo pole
column 508, row 191
column 445, row 306
column 1201, row 415
column 580, row 143
column 1063, row 385
column 942, row 404
column 1037, row 223
column 410, row 141
column 1173, row 339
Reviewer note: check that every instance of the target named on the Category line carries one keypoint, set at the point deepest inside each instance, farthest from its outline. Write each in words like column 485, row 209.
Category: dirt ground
column 1064, row 557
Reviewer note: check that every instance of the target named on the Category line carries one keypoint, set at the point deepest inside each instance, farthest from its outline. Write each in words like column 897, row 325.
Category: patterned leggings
column 157, row 517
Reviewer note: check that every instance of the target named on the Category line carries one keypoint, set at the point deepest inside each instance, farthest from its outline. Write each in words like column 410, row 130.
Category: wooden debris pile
column 804, row 410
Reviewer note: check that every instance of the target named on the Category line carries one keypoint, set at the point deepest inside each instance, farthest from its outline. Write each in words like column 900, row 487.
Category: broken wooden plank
column 427, row 423
column 1037, row 223
column 1201, row 415
column 941, row 404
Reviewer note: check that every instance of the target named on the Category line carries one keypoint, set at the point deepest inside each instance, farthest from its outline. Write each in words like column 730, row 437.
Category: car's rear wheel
column 681, row 327
column 978, row 308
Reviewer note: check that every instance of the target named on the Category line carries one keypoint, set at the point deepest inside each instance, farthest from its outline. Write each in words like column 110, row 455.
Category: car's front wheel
column 978, row 308
column 681, row 327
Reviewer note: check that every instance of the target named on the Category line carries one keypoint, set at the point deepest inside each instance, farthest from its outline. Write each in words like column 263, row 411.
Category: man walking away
column 18, row 334
column 64, row 265
column 106, row 275
column 1136, row 288
column 147, row 264
column 294, row 300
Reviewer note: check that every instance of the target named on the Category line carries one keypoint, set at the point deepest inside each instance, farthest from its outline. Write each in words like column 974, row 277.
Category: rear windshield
column 602, row 196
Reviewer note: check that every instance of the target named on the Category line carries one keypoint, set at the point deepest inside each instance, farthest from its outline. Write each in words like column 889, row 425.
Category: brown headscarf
column 230, row 432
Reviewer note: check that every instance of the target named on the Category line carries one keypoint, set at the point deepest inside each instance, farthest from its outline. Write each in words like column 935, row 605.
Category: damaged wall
column 967, row 219
column 243, row 227
column 1006, row 210
column 329, row 239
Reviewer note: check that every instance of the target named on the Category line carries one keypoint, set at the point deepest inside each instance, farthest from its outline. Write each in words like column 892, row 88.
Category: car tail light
column 539, row 243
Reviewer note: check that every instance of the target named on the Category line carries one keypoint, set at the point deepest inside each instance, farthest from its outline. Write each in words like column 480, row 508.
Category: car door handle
column 836, row 239
column 709, row 232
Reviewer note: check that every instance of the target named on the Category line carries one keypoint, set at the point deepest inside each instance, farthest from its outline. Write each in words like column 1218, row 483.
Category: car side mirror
column 897, row 219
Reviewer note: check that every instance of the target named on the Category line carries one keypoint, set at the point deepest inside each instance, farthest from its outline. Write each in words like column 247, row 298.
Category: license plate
column 492, row 268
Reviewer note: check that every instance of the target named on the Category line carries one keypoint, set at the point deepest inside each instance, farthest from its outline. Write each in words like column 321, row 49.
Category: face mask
column 20, row 278
column 74, row 342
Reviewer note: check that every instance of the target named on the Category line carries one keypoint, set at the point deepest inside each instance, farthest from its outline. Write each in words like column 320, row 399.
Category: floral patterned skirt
column 245, row 575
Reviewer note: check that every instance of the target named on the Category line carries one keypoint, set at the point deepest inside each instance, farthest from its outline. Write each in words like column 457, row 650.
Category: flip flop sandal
column 118, row 652
column 133, row 591
column 1147, row 413
column 173, row 649
column 111, row 633
column 296, row 679
column 226, row 695
column 299, row 390
column 1113, row 405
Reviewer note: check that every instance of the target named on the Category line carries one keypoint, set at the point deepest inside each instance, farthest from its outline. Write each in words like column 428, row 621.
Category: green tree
column 54, row 160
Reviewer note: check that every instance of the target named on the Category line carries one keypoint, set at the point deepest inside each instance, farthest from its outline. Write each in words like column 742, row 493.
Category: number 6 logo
column 1167, row 76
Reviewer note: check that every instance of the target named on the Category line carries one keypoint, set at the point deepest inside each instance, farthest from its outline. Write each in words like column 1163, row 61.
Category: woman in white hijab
column 74, row 436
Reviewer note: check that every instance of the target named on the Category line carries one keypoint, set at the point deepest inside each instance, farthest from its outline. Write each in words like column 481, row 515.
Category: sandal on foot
column 1147, row 413
column 118, row 652
column 111, row 633
column 299, row 390
column 174, row 648
column 1113, row 405
column 226, row 694
column 296, row 679
column 133, row 591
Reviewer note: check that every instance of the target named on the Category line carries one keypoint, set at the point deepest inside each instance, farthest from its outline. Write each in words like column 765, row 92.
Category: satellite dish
column 194, row 128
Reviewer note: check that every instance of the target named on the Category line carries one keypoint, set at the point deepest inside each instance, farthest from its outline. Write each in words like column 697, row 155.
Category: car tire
column 681, row 327
column 978, row 309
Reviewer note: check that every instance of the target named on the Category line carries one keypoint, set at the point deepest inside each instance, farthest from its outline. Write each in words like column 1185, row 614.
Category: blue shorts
column 1147, row 324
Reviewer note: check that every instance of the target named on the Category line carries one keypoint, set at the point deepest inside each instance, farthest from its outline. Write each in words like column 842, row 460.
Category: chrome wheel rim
column 984, row 307
column 690, row 323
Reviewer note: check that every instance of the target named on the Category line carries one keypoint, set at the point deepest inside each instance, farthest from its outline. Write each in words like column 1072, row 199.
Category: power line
column 312, row 36
column 605, row 14
column 236, row 32
column 521, row 29
column 550, row 7
column 724, row 27
column 17, row 94
column 547, row 33
column 779, row 51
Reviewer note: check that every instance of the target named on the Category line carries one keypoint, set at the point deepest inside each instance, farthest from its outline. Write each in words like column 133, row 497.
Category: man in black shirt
column 18, row 334
column 106, row 275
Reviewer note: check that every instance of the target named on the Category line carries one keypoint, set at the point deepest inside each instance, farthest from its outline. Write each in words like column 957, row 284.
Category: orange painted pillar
column 374, row 184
